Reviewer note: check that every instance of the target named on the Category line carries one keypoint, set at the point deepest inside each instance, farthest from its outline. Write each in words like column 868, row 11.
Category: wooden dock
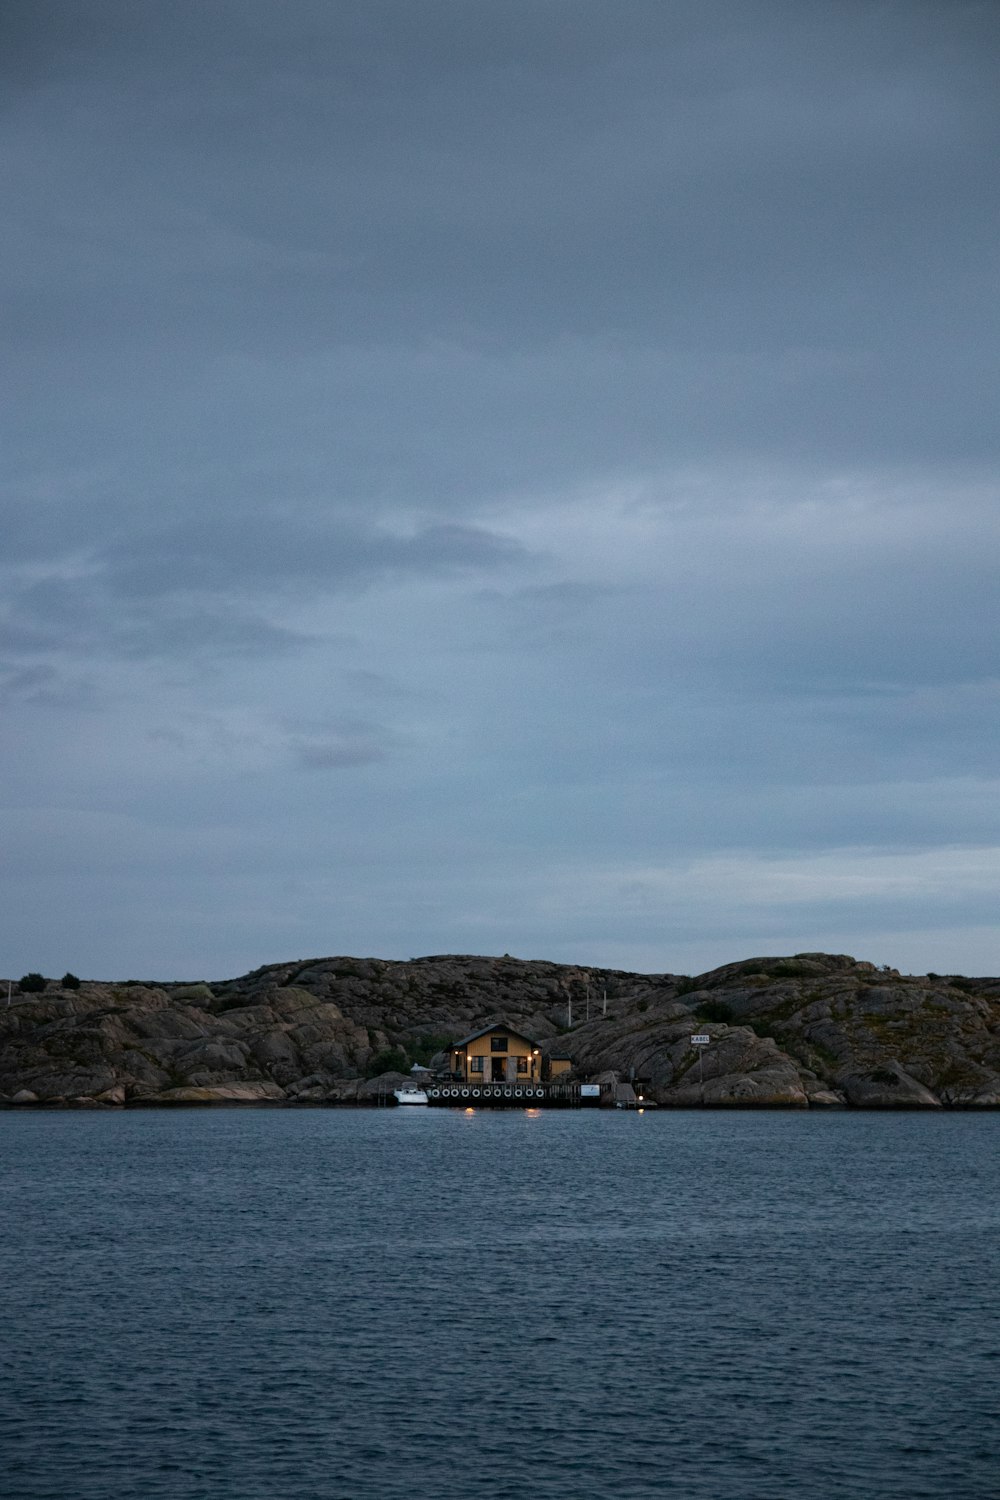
column 509, row 1096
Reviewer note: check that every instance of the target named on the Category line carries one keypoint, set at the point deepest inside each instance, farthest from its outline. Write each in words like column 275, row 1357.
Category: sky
column 498, row 476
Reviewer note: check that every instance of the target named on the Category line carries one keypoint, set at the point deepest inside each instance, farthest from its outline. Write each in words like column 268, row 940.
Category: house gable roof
column 493, row 1026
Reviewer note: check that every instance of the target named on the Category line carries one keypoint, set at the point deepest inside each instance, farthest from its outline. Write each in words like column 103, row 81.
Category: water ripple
column 254, row 1305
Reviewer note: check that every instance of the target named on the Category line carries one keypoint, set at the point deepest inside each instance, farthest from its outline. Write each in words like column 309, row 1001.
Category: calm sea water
column 328, row 1305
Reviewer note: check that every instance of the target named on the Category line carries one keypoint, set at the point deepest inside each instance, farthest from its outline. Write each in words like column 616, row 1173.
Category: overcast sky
column 499, row 476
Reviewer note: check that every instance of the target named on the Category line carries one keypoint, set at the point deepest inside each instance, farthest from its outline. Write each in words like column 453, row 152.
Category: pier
column 513, row 1096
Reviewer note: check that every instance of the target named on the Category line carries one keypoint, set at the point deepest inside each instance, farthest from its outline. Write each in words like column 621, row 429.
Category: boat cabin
column 497, row 1054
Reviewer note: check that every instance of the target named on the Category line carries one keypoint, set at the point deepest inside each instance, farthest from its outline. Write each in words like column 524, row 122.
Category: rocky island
column 810, row 1031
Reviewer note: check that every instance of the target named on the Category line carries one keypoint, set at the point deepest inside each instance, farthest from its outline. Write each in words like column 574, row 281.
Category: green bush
column 189, row 994
column 714, row 1010
column 389, row 1060
column 32, row 984
column 883, row 1075
column 69, row 981
column 424, row 1047
column 762, row 1029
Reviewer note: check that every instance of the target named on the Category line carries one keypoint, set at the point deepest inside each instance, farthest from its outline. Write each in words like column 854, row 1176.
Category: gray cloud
column 214, row 553
column 79, row 618
column 175, row 593
column 336, row 751
column 43, row 685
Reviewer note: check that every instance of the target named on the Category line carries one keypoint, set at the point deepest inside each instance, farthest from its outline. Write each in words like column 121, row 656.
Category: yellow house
column 497, row 1054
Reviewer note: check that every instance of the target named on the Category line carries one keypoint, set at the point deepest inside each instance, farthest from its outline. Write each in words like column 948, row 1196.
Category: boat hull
column 410, row 1096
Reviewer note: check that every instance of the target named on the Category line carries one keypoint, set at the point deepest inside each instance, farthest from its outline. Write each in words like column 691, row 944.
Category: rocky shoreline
column 810, row 1031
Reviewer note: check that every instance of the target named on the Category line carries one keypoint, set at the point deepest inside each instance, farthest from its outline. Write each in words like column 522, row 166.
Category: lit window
column 522, row 1065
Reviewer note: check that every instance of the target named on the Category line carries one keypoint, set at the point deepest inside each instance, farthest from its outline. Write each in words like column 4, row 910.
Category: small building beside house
column 496, row 1054
column 558, row 1063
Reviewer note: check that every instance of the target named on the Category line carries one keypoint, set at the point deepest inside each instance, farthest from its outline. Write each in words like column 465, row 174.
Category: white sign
column 701, row 1040
column 590, row 1091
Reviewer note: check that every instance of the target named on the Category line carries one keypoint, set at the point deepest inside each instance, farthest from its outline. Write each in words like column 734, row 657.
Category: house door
column 498, row 1068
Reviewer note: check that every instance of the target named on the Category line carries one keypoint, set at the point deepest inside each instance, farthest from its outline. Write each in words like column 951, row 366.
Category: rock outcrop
column 811, row 1031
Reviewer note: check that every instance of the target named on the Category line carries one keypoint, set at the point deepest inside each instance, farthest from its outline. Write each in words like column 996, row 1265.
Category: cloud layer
column 515, row 478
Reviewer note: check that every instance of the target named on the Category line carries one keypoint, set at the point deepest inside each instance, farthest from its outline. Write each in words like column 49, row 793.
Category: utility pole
column 702, row 1040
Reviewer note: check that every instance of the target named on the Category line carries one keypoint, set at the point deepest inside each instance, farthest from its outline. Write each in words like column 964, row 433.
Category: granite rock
column 887, row 1087
column 810, row 1030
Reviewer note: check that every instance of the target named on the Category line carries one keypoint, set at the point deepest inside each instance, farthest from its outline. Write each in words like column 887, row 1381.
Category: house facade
column 496, row 1054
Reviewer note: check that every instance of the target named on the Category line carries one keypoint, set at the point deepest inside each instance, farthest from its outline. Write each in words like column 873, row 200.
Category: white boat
column 408, row 1094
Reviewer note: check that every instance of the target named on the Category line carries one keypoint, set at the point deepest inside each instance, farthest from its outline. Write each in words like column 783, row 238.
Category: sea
column 327, row 1304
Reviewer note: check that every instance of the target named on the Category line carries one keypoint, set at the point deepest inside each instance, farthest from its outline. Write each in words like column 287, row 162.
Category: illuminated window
column 522, row 1065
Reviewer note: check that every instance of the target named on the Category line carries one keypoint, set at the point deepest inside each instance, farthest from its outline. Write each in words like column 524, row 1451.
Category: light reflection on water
column 251, row 1304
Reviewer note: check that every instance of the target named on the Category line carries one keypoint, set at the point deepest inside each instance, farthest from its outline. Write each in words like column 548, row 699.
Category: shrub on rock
column 32, row 984
column 714, row 1010
column 390, row 1060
